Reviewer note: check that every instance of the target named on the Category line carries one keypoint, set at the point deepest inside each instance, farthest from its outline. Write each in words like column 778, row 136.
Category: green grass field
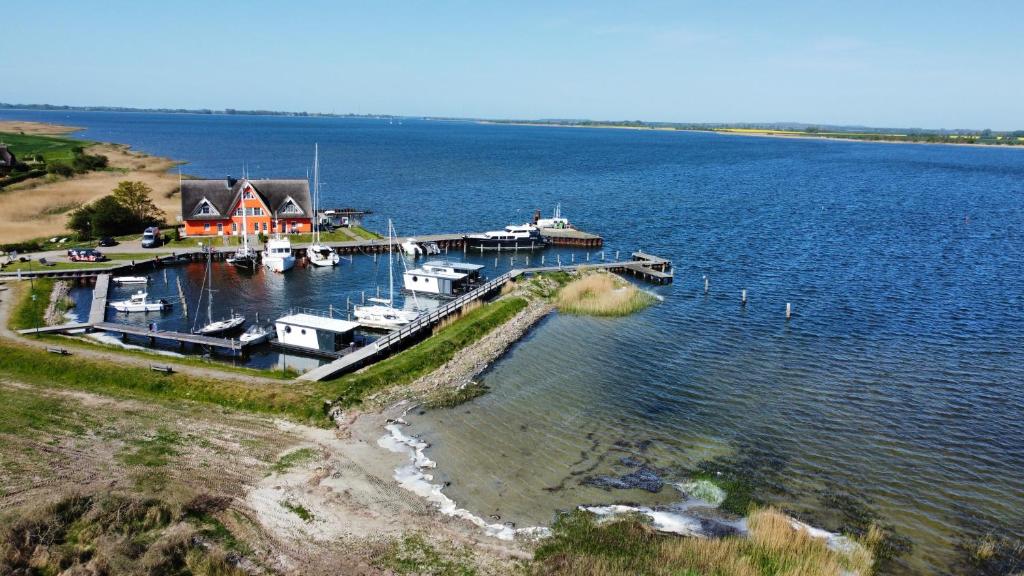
column 299, row 401
column 30, row 313
column 53, row 148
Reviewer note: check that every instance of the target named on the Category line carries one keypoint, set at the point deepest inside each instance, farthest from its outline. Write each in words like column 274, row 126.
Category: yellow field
column 39, row 207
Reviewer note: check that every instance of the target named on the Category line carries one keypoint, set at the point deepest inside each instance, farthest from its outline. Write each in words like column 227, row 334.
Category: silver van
column 151, row 237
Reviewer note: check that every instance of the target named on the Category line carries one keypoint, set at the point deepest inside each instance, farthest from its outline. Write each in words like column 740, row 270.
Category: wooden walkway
column 180, row 337
column 393, row 341
column 98, row 309
column 648, row 267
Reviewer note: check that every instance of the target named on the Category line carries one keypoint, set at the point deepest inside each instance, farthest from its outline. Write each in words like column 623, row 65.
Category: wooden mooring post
column 789, row 310
column 181, row 296
column 743, row 297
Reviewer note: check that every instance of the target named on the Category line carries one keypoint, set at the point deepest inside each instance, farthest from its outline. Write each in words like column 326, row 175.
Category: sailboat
column 317, row 253
column 383, row 314
column 246, row 256
column 219, row 326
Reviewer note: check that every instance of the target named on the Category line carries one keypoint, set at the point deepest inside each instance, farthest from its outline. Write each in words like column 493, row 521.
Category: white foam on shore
column 107, row 338
column 413, row 478
column 661, row 520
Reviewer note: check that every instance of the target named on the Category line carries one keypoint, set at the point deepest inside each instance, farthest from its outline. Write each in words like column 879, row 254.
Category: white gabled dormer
column 290, row 207
column 205, row 208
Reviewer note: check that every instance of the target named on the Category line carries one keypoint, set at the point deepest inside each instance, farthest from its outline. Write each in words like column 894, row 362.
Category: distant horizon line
column 782, row 125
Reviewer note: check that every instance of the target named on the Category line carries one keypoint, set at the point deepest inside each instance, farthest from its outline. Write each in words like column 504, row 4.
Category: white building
column 314, row 332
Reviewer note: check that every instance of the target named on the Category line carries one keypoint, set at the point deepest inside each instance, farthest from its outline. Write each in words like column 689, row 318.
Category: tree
column 134, row 196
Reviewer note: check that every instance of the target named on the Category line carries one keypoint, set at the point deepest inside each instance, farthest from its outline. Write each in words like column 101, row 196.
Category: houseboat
column 522, row 237
column 313, row 333
column 443, row 278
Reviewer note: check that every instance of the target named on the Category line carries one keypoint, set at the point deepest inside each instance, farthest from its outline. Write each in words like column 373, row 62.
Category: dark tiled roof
column 224, row 194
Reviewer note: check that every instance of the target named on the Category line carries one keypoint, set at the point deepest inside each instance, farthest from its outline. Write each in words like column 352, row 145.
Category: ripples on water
column 898, row 378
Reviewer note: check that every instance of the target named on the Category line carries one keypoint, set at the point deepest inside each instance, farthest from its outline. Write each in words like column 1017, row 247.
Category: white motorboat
column 317, row 253
column 520, row 237
column 215, row 326
column 139, row 302
column 411, row 247
column 131, row 279
column 256, row 334
column 383, row 314
column 277, row 255
column 556, row 221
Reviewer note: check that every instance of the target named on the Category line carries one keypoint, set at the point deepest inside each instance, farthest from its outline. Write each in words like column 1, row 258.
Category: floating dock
column 181, row 338
column 645, row 266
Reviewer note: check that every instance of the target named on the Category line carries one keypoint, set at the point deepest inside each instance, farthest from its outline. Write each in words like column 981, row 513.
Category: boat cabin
column 442, row 278
column 315, row 333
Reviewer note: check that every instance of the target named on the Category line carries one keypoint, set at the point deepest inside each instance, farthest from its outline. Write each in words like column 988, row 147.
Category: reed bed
column 602, row 294
column 775, row 546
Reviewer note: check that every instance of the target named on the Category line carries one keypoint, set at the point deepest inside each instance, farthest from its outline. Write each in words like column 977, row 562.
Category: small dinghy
column 139, row 302
column 131, row 279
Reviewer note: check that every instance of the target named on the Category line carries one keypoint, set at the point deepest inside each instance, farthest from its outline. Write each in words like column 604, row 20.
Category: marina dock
column 645, row 266
column 181, row 338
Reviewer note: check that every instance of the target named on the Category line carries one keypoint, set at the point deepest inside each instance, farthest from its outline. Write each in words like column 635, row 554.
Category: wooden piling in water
column 789, row 310
column 743, row 297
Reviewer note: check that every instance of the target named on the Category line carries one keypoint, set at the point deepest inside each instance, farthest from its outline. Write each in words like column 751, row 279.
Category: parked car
column 85, row 255
column 151, row 237
column 107, row 241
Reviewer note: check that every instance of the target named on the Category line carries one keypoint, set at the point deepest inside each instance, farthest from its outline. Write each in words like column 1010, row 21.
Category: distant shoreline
column 758, row 134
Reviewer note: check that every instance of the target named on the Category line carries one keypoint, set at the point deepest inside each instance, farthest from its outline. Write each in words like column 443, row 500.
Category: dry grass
column 775, row 546
column 453, row 318
column 602, row 294
column 30, row 207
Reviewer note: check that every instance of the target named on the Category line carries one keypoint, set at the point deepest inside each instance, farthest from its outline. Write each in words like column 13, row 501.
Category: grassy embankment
column 426, row 356
column 302, row 402
column 581, row 545
column 602, row 294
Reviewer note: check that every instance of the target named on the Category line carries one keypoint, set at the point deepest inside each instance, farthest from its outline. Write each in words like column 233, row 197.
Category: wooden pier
column 98, row 309
column 645, row 266
column 182, row 338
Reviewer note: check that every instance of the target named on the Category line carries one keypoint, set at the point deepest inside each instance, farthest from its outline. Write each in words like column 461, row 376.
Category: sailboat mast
column 316, row 193
column 245, row 223
column 209, row 283
column 391, row 273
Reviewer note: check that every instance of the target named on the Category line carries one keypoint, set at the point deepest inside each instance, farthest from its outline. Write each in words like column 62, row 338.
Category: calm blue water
column 898, row 381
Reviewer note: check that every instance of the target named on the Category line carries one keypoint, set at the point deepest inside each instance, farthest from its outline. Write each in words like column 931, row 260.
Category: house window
column 206, row 227
column 220, row 227
column 290, row 207
column 204, row 208
column 255, row 226
column 264, row 226
column 248, row 194
column 234, row 227
column 238, row 211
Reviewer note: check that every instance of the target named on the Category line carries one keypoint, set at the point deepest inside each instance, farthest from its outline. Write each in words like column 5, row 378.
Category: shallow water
column 898, row 380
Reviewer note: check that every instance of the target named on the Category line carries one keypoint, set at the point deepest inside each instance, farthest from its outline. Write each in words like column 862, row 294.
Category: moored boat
column 382, row 313
column 516, row 237
column 317, row 253
column 139, row 302
column 277, row 255
column 131, row 279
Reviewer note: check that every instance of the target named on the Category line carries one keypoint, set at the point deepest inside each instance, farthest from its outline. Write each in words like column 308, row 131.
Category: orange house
column 214, row 207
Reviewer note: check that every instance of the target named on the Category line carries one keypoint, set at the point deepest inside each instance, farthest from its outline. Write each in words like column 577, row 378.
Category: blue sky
column 937, row 64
